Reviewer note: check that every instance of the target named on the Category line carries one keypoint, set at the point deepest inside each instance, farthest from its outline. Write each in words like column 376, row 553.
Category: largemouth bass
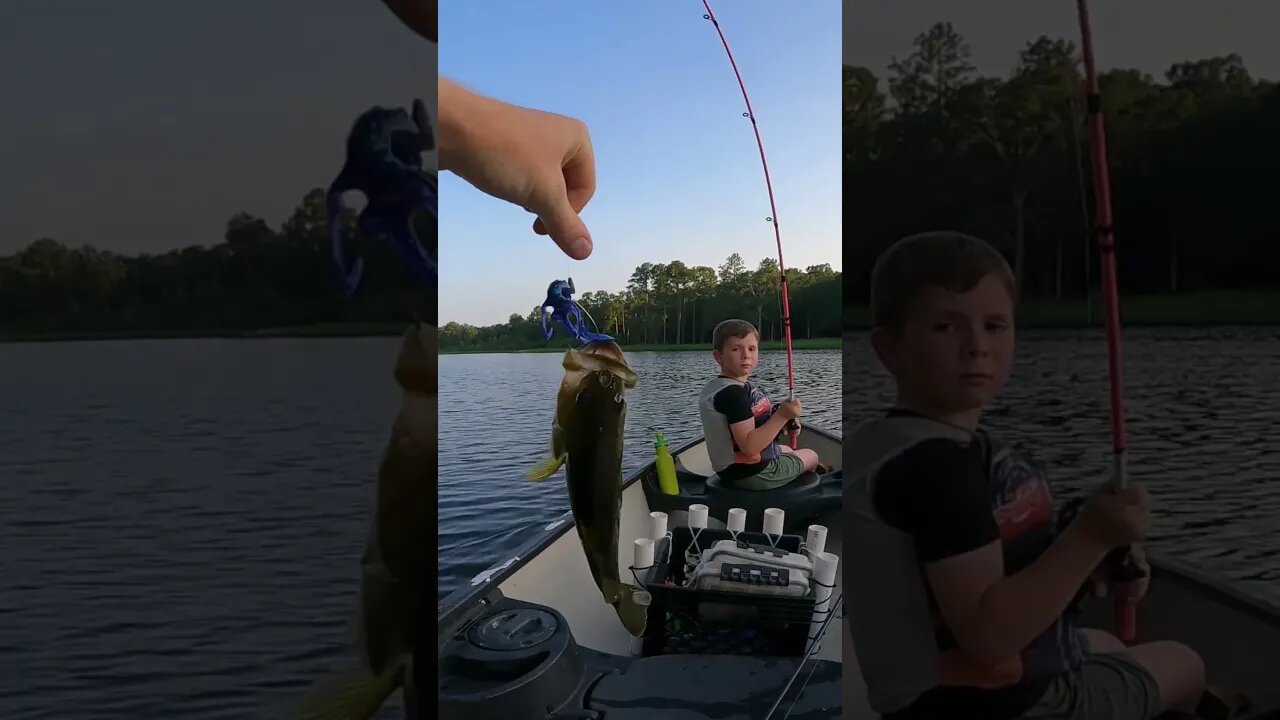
column 586, row 435
column 396, row 559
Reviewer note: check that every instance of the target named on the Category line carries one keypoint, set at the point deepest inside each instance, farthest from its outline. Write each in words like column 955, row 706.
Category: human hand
column 1132, row 591
column 1115, row 519
column 538, row 160
column 790, row 409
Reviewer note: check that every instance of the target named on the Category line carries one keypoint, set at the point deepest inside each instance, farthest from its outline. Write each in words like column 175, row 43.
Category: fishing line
column 584, row 310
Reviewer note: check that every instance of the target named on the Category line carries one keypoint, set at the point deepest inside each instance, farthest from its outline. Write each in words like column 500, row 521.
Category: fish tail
column 634, row 616
column 351, row 694
column 544, row 469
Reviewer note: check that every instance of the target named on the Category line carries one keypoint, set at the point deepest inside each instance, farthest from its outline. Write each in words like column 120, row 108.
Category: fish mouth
column 601, row 355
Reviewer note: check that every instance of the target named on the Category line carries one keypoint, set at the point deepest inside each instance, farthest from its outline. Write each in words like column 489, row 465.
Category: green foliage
column 674, row 304
column 259, row 278
column 1192, row 164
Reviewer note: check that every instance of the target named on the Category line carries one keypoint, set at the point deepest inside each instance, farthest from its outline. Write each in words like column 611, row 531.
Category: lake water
column 182, row 521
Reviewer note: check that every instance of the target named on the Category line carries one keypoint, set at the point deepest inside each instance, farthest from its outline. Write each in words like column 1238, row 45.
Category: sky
column 144, row 126
column 1149, row 36
column 678, row 171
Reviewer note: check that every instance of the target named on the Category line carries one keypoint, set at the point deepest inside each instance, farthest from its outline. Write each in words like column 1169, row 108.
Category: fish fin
column 544, row 469
column 351, row 694
column 634, row 616
column 559, row 445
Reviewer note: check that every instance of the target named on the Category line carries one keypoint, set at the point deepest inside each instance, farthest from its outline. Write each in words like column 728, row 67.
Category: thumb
column 557, row 218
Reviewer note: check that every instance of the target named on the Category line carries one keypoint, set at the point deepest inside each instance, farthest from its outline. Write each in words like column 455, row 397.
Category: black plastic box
column 715, row 622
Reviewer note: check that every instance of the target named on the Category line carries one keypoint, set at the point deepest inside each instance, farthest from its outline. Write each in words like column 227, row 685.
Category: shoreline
column 1226, row 308
column 366, row 330
column 831, row 343
column 1193, row 310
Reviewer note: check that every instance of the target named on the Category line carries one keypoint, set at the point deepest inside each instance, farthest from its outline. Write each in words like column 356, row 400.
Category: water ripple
column 182, row 522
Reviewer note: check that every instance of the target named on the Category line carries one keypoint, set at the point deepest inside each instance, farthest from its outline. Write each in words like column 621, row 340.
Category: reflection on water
column 1202, row 407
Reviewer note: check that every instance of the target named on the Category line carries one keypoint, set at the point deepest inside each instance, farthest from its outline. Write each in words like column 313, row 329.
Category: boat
column 532, row 638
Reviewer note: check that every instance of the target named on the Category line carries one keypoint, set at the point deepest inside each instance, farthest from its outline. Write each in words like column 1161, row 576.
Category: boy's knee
column 1101, row 641
column 1188, row 659
column 1179, row 672
column 810, row 459
column 1192, row 662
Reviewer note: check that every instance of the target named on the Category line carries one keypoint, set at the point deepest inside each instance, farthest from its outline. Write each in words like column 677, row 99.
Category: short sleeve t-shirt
column 952, row 499
column 744, row 402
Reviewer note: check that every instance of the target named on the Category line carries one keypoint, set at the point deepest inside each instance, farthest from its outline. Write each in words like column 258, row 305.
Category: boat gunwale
column 1216, row 588
column 469, row 598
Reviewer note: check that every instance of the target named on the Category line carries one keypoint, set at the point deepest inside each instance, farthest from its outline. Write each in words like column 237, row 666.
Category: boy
column 957, row 580
column 740, row 427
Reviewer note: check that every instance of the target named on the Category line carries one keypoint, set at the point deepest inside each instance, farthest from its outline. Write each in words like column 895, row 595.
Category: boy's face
column 954, row 351
column 739, row 355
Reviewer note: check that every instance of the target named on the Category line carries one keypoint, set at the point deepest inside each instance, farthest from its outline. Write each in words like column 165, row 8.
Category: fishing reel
column 792, row 425
column 1119, row 564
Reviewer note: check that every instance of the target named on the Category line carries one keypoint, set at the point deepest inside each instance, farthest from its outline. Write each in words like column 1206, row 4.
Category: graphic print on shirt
column 1022, row 502
column 762, row 409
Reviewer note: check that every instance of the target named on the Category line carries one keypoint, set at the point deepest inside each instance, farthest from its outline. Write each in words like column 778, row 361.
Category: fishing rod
column 1123, row 569
column 772, row 219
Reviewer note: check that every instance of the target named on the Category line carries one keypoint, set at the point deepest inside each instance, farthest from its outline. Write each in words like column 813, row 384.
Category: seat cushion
column 805, row 481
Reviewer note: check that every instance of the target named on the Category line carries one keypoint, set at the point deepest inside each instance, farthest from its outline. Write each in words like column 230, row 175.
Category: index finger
column 579, row 171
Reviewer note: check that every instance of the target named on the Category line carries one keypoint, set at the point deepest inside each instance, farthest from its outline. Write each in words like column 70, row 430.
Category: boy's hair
column 731, row 329
column 951, row 260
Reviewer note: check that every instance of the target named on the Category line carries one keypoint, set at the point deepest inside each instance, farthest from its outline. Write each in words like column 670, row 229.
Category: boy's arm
column 734, row 403
column 941, row 498
column 752, row 439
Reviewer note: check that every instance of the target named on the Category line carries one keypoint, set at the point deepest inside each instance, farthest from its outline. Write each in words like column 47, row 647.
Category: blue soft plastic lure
column 384, row 161
column 565, row 309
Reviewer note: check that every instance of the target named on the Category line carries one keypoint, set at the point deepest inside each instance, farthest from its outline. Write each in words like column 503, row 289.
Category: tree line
column 675, row 304
column 259, row 277
column 1193, row 156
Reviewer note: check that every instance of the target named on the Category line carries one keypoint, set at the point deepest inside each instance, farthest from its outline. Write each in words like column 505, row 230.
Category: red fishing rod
column 773, row 209
column 1126, row 613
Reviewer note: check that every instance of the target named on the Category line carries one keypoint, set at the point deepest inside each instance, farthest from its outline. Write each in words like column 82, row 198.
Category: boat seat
column 806, row 481
column 800, row 499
